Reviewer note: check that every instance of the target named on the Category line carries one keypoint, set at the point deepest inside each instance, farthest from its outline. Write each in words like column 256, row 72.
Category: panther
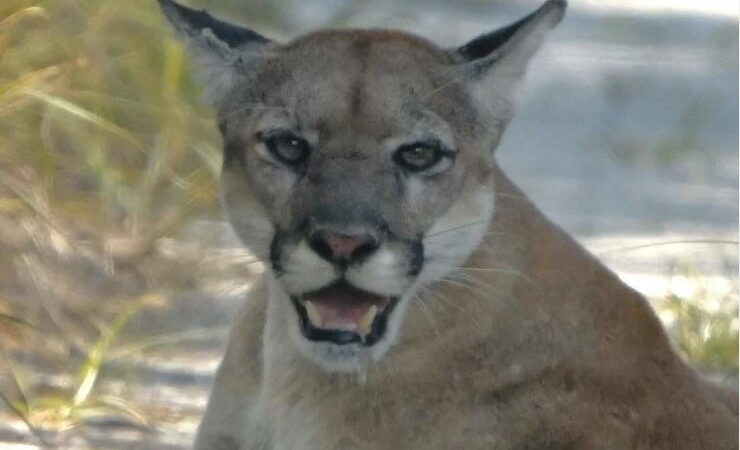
column 413, row 297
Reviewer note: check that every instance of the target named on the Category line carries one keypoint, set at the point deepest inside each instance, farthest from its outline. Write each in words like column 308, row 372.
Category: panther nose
column 342, row 247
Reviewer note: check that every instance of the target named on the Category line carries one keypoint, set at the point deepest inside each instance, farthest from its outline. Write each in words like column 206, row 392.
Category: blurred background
column 118, row 277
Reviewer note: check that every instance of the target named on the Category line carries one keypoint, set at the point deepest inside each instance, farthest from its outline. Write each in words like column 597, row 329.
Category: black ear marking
column 192, row 22
column 486, row 44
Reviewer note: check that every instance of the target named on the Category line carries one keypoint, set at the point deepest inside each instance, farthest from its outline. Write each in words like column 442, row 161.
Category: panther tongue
column 343, row 307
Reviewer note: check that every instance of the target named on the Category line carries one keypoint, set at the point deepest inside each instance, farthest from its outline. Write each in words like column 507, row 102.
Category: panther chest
column 384, row 419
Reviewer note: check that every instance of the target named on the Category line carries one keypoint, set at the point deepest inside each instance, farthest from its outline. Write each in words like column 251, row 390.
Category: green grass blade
column 97, row 356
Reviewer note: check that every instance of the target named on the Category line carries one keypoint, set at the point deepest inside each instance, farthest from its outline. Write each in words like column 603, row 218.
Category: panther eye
column 420, row 156
column 286, row 147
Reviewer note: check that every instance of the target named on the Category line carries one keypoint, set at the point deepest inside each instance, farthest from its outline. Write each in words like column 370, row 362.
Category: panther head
column 358, row 164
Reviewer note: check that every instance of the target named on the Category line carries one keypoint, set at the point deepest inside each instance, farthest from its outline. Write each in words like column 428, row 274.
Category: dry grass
column 103, row 151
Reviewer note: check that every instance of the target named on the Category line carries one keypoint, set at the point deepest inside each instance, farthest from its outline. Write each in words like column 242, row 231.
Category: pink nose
column 338, row 247
column 342, row 246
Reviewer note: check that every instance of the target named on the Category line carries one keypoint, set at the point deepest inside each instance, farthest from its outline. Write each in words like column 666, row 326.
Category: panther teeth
column 366, row 322
column 313, row 314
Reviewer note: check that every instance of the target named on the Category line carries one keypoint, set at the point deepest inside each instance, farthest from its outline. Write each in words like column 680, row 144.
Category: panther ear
column 494, row 63
column 224, row 53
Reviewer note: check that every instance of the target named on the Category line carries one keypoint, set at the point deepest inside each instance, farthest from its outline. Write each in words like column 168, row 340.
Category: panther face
column 358, row 165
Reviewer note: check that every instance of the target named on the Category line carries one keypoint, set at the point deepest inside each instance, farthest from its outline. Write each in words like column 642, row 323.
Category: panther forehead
column 344, row 84
column 359, row 42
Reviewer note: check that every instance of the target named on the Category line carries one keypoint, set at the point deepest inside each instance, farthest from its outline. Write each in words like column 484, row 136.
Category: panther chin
column 342, row 327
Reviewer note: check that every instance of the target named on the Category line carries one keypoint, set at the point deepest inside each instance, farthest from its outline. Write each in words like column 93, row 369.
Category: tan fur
column 509, row 336
column 553, row 352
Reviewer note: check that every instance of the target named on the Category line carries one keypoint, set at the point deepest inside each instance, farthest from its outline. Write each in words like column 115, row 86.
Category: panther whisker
column 504, row 271
column 459, row 283
column 454, row 228
column 442, row 298
column 425, row 308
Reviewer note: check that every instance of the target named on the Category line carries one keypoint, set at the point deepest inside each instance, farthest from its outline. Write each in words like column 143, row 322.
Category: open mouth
column 343, row 314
